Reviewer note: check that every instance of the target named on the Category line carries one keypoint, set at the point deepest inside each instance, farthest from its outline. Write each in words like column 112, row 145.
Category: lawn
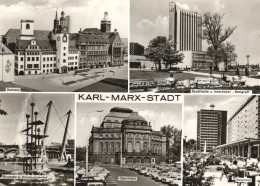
column 156, row 75
column 103, row 86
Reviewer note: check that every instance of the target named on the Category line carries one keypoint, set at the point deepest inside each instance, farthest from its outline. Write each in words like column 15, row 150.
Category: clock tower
column 105, row 24
column 62, row 45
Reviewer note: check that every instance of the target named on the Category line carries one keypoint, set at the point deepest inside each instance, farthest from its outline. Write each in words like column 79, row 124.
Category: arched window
column 106, row 147
column 145, row 147
column 130, row 147
column 112, row 147
column 101, row 147
column 118, row 147
column 137, row 147
column 27, row 26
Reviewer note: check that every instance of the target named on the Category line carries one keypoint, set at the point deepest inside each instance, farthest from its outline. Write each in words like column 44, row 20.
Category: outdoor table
column 252, row 174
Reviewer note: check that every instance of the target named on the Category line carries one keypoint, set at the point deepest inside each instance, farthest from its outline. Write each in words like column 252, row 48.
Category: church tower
column 105, row 24
column 55, row 23
column 27, row 31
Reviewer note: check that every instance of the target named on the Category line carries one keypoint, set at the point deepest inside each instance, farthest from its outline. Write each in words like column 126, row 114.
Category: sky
column 159, row 114
column 150, row 18
column 83, row 13
column 16, row 105
column 194, row 103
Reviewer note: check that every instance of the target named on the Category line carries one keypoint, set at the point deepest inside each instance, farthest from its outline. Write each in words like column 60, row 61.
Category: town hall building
column 58, row 50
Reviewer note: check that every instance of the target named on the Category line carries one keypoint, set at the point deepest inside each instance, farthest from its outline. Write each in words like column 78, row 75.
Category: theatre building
column 125, row 131
column 243, row 131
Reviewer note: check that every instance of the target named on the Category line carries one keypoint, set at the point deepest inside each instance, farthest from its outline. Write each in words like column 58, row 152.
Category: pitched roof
column 4, row 49
column 72, row 45
column 89, row 38
column 43, row 44
column 14, row 34
column 95, row 31
column 111, row 36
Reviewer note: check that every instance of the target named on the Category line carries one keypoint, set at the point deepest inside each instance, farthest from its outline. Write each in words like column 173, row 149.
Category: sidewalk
column 249, row 81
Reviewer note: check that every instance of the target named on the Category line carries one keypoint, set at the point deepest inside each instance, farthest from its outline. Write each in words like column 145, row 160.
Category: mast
column 63, row 151
column 46, row 124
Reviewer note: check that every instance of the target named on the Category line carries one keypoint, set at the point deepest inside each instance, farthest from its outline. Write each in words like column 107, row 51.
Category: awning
column 246, row 140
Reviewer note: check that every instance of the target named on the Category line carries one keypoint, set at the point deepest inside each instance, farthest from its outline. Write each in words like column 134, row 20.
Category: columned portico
column 241, row 148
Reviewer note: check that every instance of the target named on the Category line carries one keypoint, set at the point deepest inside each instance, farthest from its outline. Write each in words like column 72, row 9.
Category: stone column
column 258, row 152
column 134, row 142
column 238, row 149
column 249, row 150
column 243, row 150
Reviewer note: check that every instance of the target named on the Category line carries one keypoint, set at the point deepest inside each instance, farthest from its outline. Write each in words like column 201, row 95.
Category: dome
column 134, row 118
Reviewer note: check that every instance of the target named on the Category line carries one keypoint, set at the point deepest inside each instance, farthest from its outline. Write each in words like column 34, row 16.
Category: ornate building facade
column 58, row 50
column 127, row 130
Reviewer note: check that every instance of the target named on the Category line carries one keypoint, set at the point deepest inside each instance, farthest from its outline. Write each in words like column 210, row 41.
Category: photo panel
column 224, row 150
column 191, row 46
column 64, row 46
column 37, row 139
column 128, row 143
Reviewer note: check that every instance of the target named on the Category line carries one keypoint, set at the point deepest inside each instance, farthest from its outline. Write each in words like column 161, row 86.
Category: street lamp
column 88, row 141
column 248, row 56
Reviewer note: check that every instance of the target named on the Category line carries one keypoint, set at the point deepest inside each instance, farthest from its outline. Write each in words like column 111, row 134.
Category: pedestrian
column 246, row 72
column 237, row 72
column 210, row 69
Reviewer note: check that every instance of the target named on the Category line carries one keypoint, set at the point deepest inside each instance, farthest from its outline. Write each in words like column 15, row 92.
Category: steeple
column 55, row 23
column 56, row 17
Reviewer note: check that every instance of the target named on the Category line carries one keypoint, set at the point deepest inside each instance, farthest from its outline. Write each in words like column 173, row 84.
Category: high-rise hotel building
column 185, row 29
column 211, row 128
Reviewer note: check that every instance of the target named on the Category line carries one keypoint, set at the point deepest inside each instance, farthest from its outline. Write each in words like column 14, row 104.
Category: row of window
column 72, row 58
column 49, row 53
column 32, row 66
column 48, row 65
column 72, row 63
column 117, row 44
column 38, row 58
column 73, row 52
column 31, row 53
column 97, row 52
column 94, row 58
column 33, row 47
column 92, row 47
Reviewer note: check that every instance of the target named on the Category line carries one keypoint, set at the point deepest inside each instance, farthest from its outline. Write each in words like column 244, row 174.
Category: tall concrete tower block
column 27, row 30
column 172, row 21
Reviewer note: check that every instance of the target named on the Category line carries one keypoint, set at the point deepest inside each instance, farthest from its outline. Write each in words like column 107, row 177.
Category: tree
column 173, row 142
column 214, row 32
column 172, row 57
column 161, row 49
column 224, row 53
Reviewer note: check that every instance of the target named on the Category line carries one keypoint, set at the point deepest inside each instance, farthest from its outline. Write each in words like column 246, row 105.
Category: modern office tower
column 185, row 29
column 136, row 49
column 211, row 128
